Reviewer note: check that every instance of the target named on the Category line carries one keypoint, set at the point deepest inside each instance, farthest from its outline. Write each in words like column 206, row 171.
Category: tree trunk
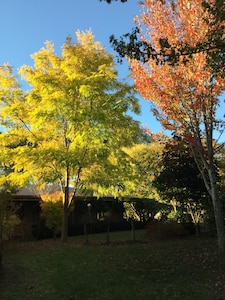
column 108, row 232
column 210, row 180
column 64, row 232
column 1, row 250
column 133, row 230
column 217, row 206
column 197, row 229
column 85, row 233
column 219, row 218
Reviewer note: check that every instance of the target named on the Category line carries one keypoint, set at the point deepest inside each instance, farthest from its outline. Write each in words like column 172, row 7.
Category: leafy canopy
column 185, row 95
column 145, row 162
column 132, row 44
column 74, row 116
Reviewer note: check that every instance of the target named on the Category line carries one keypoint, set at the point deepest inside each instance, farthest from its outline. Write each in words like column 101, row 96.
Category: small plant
column 52, row 211
column 8, row 217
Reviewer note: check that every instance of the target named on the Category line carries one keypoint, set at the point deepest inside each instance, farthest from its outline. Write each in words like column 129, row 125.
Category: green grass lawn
column 187, row 268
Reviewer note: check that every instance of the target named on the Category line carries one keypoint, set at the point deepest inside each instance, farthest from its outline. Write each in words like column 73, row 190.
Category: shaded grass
column 171, row 269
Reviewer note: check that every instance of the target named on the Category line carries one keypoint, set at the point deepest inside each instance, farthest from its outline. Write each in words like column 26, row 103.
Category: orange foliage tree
column 185, row 96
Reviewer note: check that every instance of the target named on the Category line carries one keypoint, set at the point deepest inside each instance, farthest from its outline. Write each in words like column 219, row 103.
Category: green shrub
column 52, row 214
column 9, row 224
column 8, row 217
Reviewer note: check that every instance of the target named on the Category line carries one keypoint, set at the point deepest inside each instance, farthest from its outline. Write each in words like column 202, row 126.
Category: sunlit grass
column 173, row 269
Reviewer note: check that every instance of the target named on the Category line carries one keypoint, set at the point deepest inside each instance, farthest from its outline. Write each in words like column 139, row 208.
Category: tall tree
column 186, row 96
column 74, row 116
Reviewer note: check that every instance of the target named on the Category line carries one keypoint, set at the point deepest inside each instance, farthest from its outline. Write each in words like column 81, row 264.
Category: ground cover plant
column 184, row 268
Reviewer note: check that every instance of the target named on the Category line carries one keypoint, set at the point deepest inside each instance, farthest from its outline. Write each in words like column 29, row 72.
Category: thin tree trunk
column 108, row 232
column 197, row 229
column 219, row 217
column 85, row 233
column 133, row 230
column 64, row 233
column 210, row 180
column 1, row 249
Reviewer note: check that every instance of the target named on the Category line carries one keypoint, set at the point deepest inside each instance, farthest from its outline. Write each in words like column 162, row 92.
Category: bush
column 9, row 224
column 164, row 230
column 52, row 214
column 8, row 217
column 52, row 211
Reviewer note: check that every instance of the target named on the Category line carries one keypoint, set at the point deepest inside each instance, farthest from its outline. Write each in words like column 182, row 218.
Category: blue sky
column 26, row 24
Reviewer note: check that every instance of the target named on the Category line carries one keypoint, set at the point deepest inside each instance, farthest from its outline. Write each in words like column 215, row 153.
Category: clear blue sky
column 26, row 24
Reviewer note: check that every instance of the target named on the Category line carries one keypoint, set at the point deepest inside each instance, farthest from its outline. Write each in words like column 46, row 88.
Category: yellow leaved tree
column 73, row 119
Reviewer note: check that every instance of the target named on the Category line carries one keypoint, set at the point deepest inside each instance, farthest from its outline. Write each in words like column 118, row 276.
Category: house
column 90, row 212
column 29, row 210
column 96, row 214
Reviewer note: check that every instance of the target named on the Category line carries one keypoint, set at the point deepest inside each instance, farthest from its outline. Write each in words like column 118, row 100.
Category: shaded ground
column 185, row 269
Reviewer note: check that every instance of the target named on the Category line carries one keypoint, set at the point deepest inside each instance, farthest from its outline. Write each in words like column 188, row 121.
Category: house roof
column 26, row 194
column 30, row 193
